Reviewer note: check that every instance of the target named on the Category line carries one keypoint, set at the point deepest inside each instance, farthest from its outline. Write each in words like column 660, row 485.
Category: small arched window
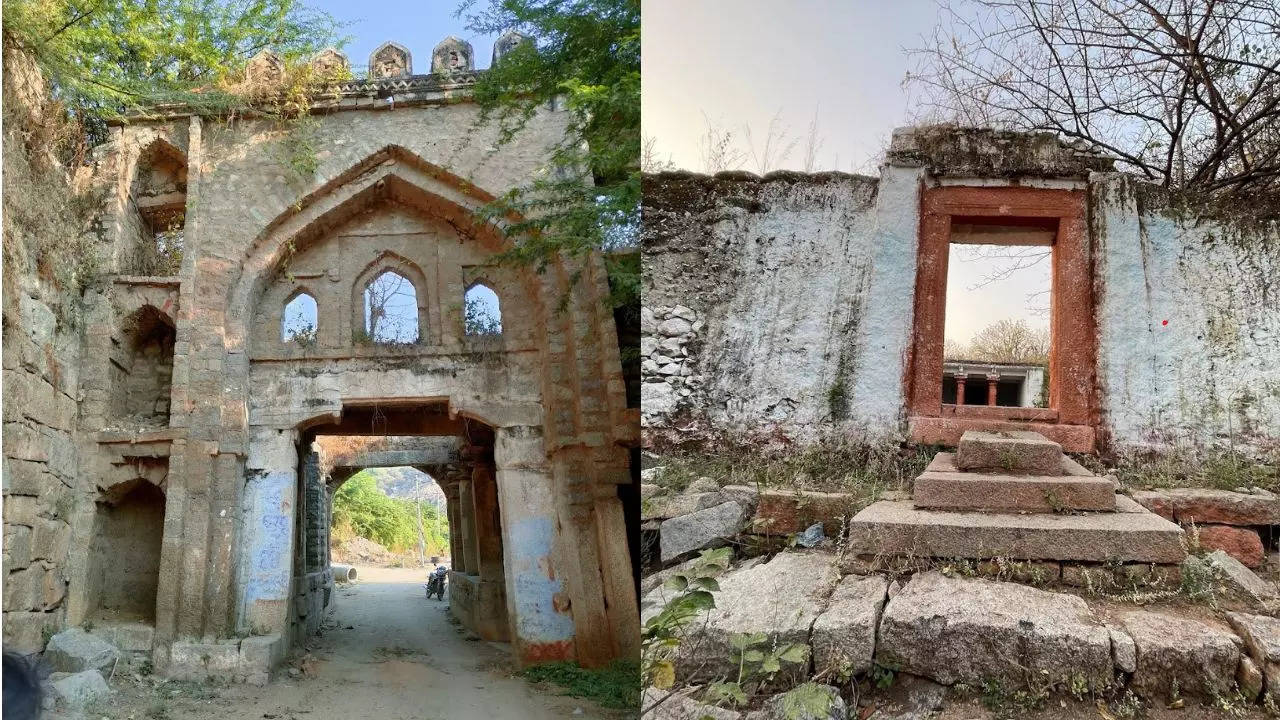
column 300, row 321
column 482, row 314
column 391, row 309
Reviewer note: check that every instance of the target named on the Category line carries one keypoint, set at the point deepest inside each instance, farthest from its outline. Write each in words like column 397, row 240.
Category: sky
column 740, row 63
column 416, row 24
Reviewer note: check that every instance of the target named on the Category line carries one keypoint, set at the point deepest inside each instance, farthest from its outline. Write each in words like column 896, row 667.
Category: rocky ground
column 386, row 653
column 849, row 636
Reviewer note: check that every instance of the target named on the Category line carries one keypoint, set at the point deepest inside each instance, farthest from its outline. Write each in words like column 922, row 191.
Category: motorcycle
column 435, row 585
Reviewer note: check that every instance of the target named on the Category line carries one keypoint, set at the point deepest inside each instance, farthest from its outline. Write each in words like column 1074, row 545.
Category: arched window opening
column 482, row 314
column 300, row 321
column 391, row 309
column 159, row 194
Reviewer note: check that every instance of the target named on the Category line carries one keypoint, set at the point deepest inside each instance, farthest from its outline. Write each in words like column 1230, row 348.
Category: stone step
column 1130, row 534
column 1020, row 452
column 943, row 487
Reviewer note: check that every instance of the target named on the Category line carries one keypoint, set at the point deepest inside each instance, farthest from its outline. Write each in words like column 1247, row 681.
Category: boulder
column 1261, row 636
column 1200, row 658
column 1249, row 679
column 810, row 701
column 844, row 635
column 82, row 688
column 703, row 485
column 700, row 529
column 780, row 598
column 1231, row 578
column 972, row 630
column 74, row 650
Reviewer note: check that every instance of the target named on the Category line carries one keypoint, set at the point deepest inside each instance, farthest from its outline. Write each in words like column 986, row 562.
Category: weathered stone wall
column 41, row 371
column 1189, row 319
column 753, row 293
column 787, row 303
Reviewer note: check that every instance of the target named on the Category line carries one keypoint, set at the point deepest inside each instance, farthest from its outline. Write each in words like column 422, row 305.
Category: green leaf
column 707, row 583
column 676, row 583
column 795, row 653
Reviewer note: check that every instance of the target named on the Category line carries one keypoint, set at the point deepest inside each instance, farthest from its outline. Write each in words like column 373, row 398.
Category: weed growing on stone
column 662, row 633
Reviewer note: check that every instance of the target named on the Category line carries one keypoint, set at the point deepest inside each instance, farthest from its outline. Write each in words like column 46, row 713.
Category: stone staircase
column 1014, row 495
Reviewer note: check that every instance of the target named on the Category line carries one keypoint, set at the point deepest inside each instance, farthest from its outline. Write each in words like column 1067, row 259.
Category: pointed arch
column 481, row 309
column 300, row 316
column 390, row 262
column 391, row 174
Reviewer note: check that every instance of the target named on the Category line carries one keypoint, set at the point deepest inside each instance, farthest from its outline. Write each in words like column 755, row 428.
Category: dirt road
column 387, row 653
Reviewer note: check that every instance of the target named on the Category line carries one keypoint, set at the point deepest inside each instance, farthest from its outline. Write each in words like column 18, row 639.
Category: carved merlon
column 453, row 55
column 390, row 60
column 265, row 67
column 508, row 41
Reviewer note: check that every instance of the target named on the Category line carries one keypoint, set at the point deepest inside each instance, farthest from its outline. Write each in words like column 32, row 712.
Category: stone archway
column 555, row 404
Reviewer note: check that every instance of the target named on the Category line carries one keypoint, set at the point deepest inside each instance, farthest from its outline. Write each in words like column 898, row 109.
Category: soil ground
column 386, row 652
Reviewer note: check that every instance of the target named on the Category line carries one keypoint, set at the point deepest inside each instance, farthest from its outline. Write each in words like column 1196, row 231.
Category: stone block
column 261, row 652
column 200, row 661
column 22, row 588
column 1200, row 657
column 781, row 598
column 74, row 650
column 80, row 689
column 973, row 630
column 128, row 637
column 1123, row 652
column 1240, row 543
column 24, row 630
column 661, row 507
column 1017, row 451
column 1209, row 506
column 701, row 529
column 1261, row 636
column 943, row 487
column 844, row 635
column 17, row 547
column 785, row 512
column 1132, row 534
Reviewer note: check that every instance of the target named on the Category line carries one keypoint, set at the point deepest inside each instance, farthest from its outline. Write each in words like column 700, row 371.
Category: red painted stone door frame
column 1070, row 418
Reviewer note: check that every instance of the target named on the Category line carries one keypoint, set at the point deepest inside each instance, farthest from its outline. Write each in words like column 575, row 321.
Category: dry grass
column 833, row 463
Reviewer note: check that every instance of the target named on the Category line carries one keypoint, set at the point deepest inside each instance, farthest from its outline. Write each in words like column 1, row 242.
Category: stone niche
column 142, row 369
column 157, row 222
column 124, row 560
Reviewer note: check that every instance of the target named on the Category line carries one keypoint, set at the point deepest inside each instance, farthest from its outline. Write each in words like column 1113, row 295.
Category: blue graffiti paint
column 269, row 547
column 536, row 617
